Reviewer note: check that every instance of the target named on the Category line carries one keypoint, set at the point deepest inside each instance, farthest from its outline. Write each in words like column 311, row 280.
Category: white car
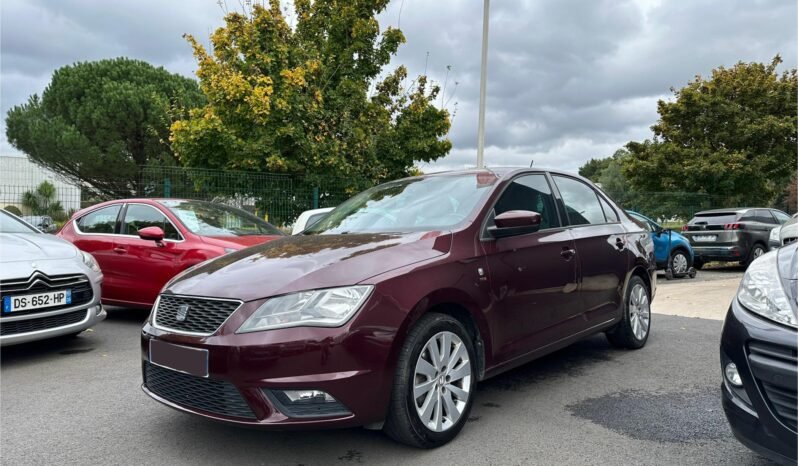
column 784, row 234
column 308, row 218
column 48, row 288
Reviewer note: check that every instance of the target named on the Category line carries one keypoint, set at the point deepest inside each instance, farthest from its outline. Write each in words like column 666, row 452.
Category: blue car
column 679, row 249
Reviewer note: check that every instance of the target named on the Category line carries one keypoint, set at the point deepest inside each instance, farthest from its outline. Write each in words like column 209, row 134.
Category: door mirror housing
column 152, row 234
column 514, row 223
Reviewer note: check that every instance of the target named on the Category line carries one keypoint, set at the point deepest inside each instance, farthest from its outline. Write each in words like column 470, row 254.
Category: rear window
column 714, row 218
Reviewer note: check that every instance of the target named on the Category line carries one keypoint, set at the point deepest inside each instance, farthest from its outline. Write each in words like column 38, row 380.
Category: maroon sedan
column 141, row 244
column 390, row 310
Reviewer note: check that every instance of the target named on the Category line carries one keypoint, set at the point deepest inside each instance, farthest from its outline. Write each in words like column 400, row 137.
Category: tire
column 636, row 317
column 756, row 251
column 404, row 421
column 681, row 258
column 698, row 263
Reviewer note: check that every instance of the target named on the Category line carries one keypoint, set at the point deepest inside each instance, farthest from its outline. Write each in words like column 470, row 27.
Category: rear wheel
column 698, row 263
column 756, row 251
column 434, row 383
column 632, row 331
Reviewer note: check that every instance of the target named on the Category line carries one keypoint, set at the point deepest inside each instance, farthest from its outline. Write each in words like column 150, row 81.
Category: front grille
column 211, row 395
column 204, row 316
column 41, row 323
column 783, row 400
column 789, row 240
column 40, row 283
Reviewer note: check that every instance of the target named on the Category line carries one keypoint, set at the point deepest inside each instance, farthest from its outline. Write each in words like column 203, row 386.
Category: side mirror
column 152, row 234
column 514, row 223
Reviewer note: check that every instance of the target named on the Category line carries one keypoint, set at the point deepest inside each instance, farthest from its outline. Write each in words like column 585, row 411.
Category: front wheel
column 680, row 263
column 434, row 383
column 633, row 329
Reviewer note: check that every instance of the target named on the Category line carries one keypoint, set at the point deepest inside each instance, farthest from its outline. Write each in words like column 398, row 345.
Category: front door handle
column 119, row 250
column 620, row 244
column 567, row 253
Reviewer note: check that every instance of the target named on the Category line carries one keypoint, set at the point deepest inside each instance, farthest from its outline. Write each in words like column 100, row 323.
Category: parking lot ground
column 79, row 401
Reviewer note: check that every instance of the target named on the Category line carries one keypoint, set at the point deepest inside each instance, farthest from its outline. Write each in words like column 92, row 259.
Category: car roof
column 503, row 172
column 732, row 210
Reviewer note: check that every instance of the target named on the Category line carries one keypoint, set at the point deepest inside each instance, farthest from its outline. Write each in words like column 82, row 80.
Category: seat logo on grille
column 182, row 313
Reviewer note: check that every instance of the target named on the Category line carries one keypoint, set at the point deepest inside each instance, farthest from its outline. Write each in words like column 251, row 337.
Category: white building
column 18, row 174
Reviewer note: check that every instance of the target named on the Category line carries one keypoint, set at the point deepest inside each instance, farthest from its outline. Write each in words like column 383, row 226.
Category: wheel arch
column 459, row 305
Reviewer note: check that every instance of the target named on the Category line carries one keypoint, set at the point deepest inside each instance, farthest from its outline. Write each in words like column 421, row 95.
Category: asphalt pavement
column 79, row 401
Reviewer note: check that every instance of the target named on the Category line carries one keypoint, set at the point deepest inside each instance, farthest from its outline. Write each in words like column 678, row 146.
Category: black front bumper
column 762, row 413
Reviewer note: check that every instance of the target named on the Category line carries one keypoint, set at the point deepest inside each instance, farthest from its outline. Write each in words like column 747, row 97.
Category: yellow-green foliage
column 306, row 97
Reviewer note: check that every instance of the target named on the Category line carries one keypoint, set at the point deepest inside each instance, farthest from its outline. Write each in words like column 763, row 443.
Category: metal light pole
column 483, row 77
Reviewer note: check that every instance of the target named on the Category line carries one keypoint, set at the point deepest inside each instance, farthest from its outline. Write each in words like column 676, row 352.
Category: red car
column 141, row 244
column 390, row 310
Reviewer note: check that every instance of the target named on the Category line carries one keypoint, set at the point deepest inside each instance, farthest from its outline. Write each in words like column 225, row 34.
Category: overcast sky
column 568, row 80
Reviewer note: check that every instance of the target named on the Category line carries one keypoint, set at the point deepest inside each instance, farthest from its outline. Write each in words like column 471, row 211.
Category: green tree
column 592, row 168
column 42, row 201
column 308, row 98
column 98, row 123
column 732, row 137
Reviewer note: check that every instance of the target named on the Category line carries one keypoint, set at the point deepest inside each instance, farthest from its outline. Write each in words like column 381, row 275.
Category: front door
column 533, row 277
column 144, row 265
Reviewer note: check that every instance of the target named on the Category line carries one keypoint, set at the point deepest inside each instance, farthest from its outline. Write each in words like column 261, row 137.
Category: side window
column 140, row 216
column 642, row 222
column 781, row 217
column 609, row 212
column 100, row 221
column 581, row 202
column 530, row 192
column 764, row 216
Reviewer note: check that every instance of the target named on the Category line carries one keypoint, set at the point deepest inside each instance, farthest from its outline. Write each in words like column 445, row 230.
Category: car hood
column 238, row 242
column 16, row 247
column 305, row 262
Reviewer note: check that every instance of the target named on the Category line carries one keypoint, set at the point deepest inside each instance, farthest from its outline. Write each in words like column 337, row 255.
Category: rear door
column 95, row 233
column 144, row 265
column 600, row 248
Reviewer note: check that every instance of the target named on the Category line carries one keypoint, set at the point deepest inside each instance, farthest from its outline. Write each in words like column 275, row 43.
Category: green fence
column 281, row 198
column 278, row 198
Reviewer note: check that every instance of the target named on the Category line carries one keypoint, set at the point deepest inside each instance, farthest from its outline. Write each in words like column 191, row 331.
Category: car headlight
column 774, row 235
column 330, row 307
column 90, row 262
column 761, row 291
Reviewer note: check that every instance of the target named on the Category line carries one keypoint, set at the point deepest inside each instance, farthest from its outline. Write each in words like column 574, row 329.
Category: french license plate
column 192, row 361
column 704, row 238
column 36, row 301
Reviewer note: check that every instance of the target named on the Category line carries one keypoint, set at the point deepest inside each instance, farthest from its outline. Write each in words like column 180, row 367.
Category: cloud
column 568, row 80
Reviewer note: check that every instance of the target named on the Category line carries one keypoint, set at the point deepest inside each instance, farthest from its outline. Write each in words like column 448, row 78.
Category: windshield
column 714, row 218
column 208, row 219
column 413, row 204
column 10, row 224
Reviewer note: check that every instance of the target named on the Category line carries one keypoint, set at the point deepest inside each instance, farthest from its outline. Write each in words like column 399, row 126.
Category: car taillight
column 684, row 227
column 733, row 226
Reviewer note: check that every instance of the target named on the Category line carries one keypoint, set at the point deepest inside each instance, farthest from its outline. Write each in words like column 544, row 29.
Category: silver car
column 48, row 287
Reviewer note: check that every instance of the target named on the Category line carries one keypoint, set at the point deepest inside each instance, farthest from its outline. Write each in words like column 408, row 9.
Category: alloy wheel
column 679, row 263
column 639, row 311
column 442, row 381
column 758, row 252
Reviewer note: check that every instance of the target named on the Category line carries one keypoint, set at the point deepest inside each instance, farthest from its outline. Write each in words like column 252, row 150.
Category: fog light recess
column 732, row 375
column 306, row 403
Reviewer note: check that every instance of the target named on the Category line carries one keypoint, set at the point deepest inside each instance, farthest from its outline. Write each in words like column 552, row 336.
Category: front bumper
column 352, row 363
column 761, row 414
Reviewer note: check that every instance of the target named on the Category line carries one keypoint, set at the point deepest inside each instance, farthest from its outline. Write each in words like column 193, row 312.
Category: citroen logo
column 182, row 313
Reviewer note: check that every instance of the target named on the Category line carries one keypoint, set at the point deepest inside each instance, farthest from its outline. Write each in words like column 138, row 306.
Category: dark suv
column 731, row 235
column 390, row 310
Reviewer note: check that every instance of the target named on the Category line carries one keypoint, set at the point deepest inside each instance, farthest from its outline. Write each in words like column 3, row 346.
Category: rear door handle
column 567, row 253
column 620, row 244
column 120, row 250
